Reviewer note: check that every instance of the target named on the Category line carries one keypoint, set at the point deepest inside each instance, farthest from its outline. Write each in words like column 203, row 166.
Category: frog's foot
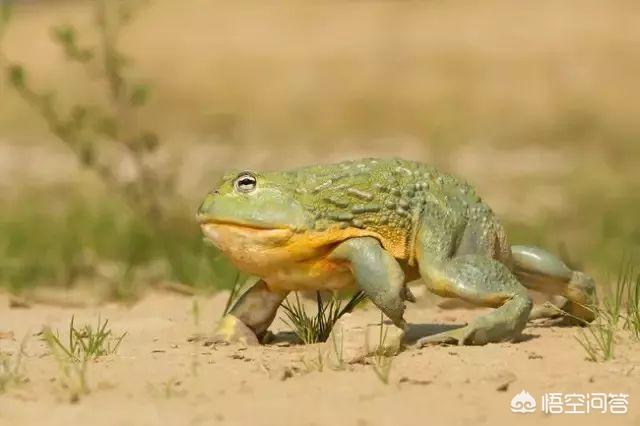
column 581, row 299
column 572, row 313
column 504, row 323
column 232, row 330
column 250, row 315
column 550, row 309
column 574, row 291
column 447, row 337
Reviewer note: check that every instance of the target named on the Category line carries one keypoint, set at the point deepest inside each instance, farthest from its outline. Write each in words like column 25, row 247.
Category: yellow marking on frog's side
column 318, row 274
column 287, row 260
column 314, row 240
column 253, row 245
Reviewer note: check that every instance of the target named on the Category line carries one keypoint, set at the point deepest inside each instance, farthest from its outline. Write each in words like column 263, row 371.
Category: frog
column 374, row 225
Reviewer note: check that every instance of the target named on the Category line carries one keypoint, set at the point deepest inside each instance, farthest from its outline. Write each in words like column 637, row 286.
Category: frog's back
column 386, row 197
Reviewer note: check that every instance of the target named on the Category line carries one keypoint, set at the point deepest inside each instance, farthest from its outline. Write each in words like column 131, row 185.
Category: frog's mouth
column 204, row 221
column 237, row 235
column 239, row 224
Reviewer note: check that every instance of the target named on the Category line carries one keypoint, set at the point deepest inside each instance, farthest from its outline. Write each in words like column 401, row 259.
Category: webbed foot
column 499, row 325
column 574, row 291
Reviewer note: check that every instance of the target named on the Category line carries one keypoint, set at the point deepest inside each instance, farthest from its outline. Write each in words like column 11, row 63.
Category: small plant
column 168, row 389
column 614, row 299
column 598, row 338
column 85, row 343
column 338, row 352
column 73, row 373
column 632, row 283
column 314, row 329
column 381, row 359
column 240, row 283
column 621, row 305
column 195, row 312
column 314, row 364
column 11, row 371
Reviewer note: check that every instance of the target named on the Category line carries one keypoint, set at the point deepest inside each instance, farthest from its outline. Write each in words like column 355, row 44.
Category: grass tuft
column 620, row 308
column 85, row 343
column 11, row 370
column 381, row 360
column 316, row 328
column 240, row 283
column 598, row 339
column 631, row 280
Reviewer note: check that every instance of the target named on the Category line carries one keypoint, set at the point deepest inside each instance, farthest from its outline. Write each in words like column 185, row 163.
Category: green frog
column 374, row 225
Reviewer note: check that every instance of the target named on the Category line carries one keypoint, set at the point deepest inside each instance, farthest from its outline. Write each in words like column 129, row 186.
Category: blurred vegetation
column 537, row 115
column 100, row 241
column 106, row 240
column 89, row 129
column 593, row 234
column 618, row 311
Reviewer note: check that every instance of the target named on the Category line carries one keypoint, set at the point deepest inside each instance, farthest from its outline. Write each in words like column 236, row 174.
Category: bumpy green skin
column 385, row 196
column 379, row 195
column 413, row 218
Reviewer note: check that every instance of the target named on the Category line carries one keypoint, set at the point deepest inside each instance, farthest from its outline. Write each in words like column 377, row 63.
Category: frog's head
column 250, row 212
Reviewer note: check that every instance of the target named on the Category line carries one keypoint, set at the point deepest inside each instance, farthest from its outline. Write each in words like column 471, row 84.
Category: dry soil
column 164, row 373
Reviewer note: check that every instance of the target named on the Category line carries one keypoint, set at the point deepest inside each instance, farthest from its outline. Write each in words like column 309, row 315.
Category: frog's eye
column 245, row 182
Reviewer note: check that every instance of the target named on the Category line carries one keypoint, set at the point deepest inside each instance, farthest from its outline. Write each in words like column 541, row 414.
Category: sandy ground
column 161, row 375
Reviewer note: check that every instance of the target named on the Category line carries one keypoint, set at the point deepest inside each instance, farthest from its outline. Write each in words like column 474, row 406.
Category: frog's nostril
column 207, row 204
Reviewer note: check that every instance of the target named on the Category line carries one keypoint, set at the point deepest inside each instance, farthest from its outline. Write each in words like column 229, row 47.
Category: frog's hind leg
column 474, row 277
column 486, row 282
column 574, row 292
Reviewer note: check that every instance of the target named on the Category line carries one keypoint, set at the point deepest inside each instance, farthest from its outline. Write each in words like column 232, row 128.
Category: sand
column 164, row 373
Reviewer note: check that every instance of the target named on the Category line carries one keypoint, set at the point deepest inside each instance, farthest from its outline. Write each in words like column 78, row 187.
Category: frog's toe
column 479, row 332
column 407, row 295
column 447, row 337
column 232, row 330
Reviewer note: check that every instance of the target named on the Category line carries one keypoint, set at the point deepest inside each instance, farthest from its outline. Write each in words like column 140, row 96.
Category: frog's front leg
column 377, row 274
column 250, row 316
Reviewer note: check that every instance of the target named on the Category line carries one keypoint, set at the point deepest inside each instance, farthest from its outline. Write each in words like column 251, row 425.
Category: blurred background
column 534, row 103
